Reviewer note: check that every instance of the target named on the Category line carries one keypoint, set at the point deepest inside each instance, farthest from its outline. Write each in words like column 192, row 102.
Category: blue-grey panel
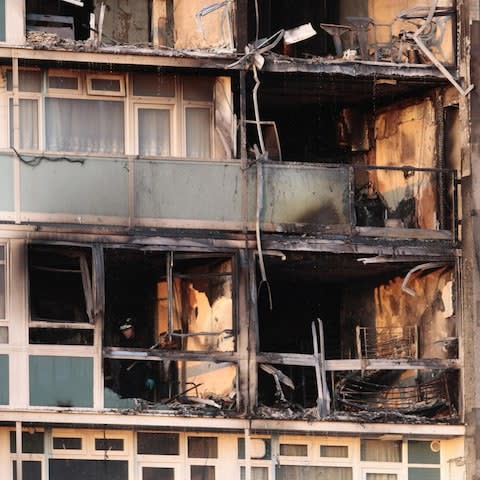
column 2, row 20
column 187, row 190
column 94, row 187
column 420, row 452
column 310, row 194
column 61, row 381
column 4, row 380
column 423, row 474
column 6, row 182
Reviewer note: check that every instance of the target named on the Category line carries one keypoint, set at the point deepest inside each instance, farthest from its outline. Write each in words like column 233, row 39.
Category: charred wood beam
column 170, row 355
column 354, row 69
column 308, row 360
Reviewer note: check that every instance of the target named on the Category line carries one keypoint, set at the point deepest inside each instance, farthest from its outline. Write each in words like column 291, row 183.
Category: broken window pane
column 61, row 381
column 60, row 336
column 294, row 472
column 381, row 450
column 60, row 284
column 260, row 448
column 203, row 294
column 198, row 89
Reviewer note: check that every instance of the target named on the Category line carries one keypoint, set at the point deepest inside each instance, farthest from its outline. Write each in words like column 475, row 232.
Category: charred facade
column 237, row 239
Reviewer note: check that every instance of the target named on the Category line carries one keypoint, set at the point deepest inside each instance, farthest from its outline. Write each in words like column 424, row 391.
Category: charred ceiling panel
column 125, row 21
column 399, row 324
column 410, row 197
column 203, row 24
column 59, row 17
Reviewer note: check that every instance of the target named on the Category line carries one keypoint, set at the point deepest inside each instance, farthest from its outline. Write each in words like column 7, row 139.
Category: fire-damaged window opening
column 162, row 303
column 69, row 19
column 389, row 346
column 365, row 30
column 61, row 295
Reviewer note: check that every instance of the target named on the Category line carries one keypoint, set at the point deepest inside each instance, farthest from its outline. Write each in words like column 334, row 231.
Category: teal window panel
column 423, row 473
column 2, row 20
column 420, row 452
column 61, row 381
column 4, row 380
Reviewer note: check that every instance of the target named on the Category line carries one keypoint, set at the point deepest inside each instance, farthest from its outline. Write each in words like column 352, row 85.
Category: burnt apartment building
column 239, row 240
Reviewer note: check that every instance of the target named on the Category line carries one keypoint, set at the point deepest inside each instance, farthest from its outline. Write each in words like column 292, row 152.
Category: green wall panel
column 188, row 190
column 4, row 380
column 61, row 381
column 6, row 180
column 423, row 474
column 96, row 187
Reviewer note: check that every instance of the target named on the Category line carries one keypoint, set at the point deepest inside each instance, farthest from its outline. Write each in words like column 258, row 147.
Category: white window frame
column 177, row 468
column 51, row 91
column 198, row 105
column 6, row 251
column 109, row 93
column 68, row 434
column 171, row 108
column 399, row 471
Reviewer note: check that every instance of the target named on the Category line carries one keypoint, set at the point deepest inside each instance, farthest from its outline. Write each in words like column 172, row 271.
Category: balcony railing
column 186, row 193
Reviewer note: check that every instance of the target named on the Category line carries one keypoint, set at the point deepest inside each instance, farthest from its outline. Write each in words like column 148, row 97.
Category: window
column 202, row 447
column 154, row 132
column 200, row 472
column 78, row 125
column 2, row 20
column 61, row 296
column 158, row 473
column 257, row 473
column 334, row 451
column 2, row 285
column 32, row 442
column 381, row 451
column 292, row 450
column 157, row 443
column 74, row 469
column 113, row 85
column 58, row 381
column 198, row 131
column 31, row 470
column 67, row 443
column 297, row 472
column 175, row 302
column 108, row 444
column 79, row 112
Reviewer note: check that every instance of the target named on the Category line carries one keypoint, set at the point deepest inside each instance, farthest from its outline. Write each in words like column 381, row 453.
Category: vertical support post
column 18, row 438
column 16, row 137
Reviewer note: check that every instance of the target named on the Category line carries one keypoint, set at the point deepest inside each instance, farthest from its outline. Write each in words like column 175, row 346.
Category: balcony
column 286, row 197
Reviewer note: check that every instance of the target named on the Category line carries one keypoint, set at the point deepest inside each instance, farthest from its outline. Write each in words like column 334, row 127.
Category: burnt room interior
column 370, row 309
